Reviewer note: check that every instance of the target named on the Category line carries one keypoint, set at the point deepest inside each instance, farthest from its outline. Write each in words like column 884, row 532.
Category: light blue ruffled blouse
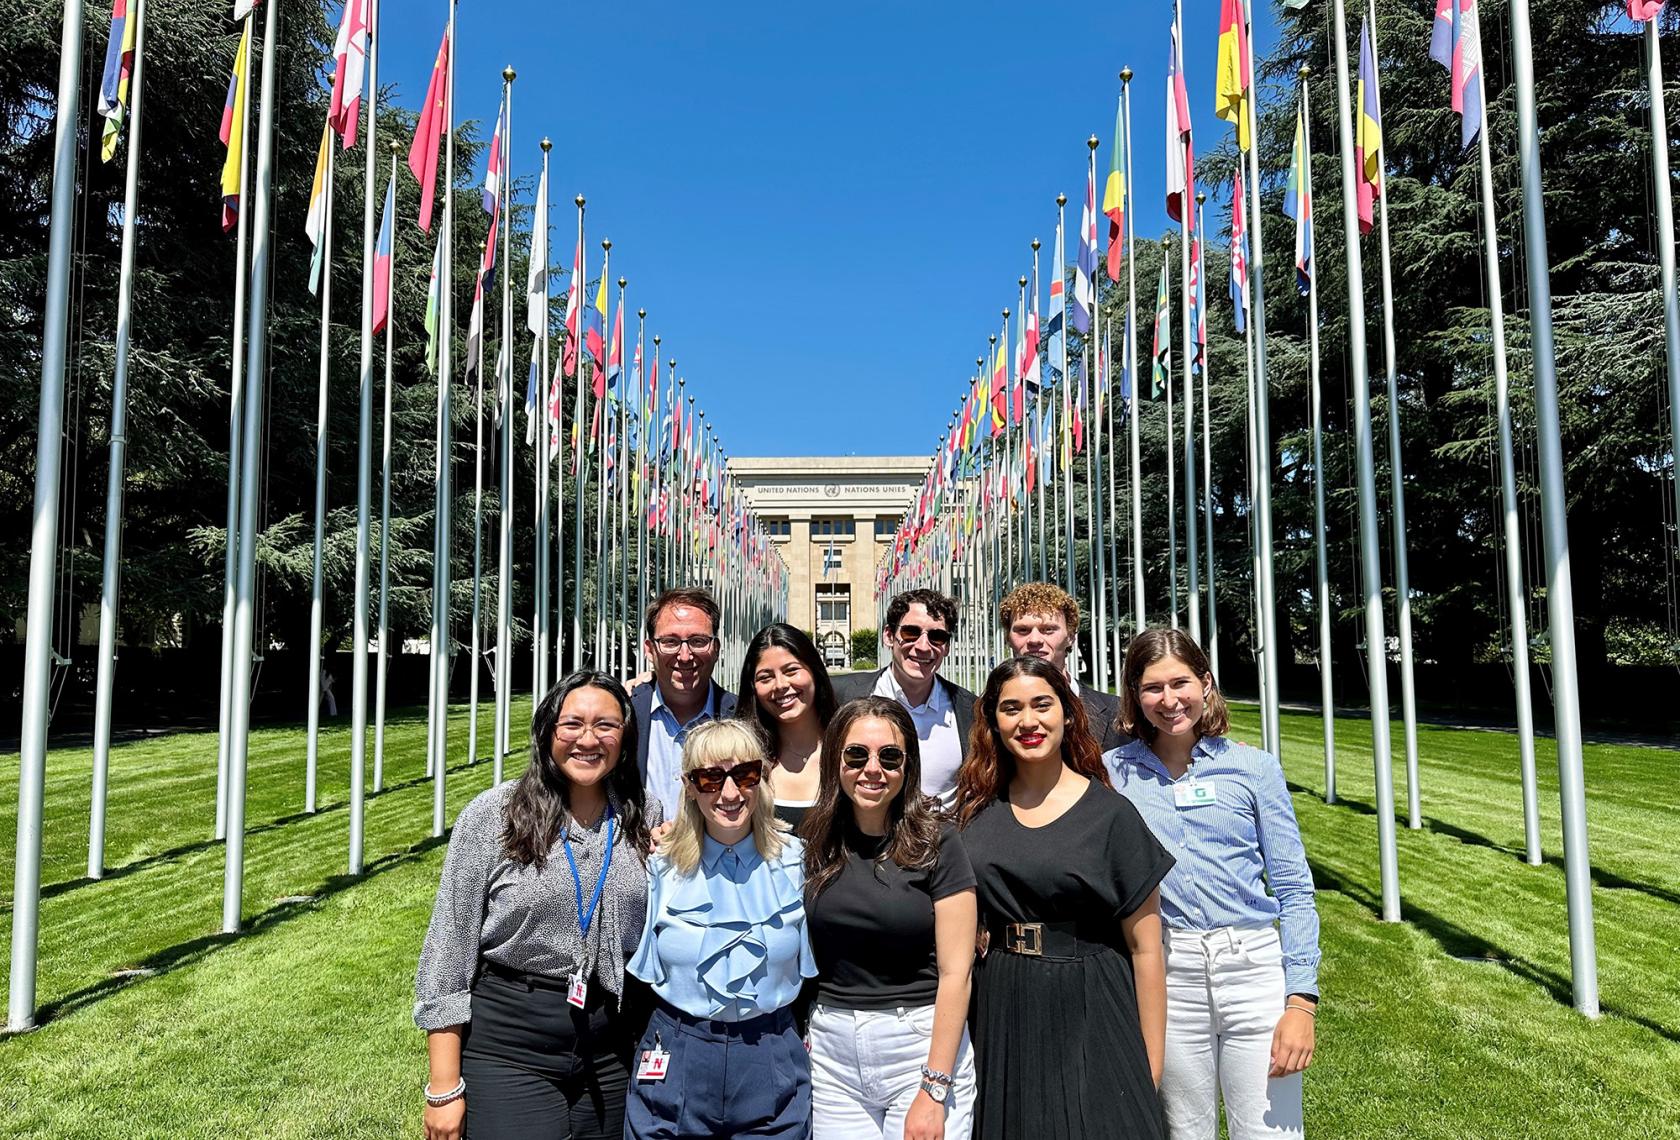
column 728, row 942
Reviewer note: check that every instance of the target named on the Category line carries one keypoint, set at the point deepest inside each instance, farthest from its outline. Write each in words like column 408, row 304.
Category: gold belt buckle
column 1024, row 938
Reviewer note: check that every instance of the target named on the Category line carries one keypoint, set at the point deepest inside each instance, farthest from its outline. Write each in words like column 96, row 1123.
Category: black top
column 792, row 814
column 872, row 928
column 1094, row 864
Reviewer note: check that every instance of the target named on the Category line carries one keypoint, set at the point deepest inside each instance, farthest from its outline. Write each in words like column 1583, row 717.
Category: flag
column 350, row 70
column 432, row 293
column 1163, row 337
column 382, row 259
column 593, row 336
column 1297, row 201
column 556, row 390
column 233, row 130
column 531, row 400
column 1114, row 197
column 1181, row 159
column 1085, row 262
column 1231, row 98
column 1644, row 10
column 1130, row 343
column 536, row 281
column 242, row 8
column 1239, row 254
column 1053, row 326
column 1463, row 59
column 1000, row 381
column 428, row 133
column 493, row 168
column 1367, row 133
column 574, row 313
column 1198, row 306
column 113, row 86
column 615, row 347
column 315, row 220
column 1077, row 426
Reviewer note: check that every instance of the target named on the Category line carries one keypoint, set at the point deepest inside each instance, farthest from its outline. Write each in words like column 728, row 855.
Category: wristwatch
column 937, row 1091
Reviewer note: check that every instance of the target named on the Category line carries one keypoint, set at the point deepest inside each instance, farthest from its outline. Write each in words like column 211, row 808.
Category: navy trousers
column 726, row 1078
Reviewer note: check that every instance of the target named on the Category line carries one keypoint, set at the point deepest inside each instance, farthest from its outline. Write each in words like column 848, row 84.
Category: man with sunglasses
column 920, row 625
column 1042, row 620
column 681, row 641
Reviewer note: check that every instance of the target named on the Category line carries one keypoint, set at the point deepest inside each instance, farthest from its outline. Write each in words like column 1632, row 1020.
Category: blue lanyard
column 585, row 917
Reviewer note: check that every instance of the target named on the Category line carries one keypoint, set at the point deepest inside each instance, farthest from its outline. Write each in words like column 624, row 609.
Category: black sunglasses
column 890, row 757
column 910, row 634
column 746, row 775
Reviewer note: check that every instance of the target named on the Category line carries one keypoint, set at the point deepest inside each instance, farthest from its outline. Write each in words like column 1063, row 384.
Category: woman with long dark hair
column 889, row 896
column 785, row 690
column 544, row 893
column 1242, row 928
column 1070, row 1008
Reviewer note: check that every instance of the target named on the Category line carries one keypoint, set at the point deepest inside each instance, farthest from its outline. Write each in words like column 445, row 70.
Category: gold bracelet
column 1306, row 1009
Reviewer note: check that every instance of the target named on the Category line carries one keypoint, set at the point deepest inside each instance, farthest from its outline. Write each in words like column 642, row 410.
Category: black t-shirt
column 1094, row 864
column 872, row 928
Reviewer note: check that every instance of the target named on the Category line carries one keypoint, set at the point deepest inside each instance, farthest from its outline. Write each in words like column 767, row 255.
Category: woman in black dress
column 785, row 689
column 1070, row 1005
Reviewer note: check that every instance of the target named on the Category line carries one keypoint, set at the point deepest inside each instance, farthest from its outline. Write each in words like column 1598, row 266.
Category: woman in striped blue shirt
column 1241, row 928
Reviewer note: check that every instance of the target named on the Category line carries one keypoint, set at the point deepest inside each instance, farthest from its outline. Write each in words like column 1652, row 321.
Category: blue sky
column 822, row 209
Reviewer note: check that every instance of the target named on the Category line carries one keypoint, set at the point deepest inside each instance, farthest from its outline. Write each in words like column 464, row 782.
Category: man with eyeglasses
column 920, row 625
column 681, row 641
column 1042, row 620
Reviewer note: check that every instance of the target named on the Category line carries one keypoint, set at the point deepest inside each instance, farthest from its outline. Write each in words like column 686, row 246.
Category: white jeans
column 866, row 1069
column 1224, row 997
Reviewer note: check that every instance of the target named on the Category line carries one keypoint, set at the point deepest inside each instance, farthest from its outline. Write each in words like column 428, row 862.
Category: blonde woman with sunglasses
column 726, row 952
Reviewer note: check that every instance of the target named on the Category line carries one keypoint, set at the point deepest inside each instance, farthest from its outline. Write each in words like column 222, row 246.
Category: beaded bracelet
column 438, row 1100
column 938, row 1077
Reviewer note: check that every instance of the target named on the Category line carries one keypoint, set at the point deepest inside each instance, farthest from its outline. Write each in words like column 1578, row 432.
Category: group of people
column 876, row 905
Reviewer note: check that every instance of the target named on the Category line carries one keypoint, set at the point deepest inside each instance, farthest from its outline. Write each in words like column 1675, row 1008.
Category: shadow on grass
column 1603, row 879
column 194, row 950
column 1461, row 943
column 64, row 886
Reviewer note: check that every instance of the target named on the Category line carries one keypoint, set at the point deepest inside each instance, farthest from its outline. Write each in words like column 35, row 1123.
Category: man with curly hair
column 1042, row 620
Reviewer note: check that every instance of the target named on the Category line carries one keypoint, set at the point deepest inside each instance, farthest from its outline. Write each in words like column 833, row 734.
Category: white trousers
column 866, row 1069
column 1224, row 997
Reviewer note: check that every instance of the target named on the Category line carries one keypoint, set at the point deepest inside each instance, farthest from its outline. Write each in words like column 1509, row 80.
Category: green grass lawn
column 300, row 1027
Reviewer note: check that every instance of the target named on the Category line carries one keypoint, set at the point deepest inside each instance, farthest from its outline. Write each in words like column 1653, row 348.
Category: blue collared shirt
column 728, row 942
column 1231, row 850
column 665, row 747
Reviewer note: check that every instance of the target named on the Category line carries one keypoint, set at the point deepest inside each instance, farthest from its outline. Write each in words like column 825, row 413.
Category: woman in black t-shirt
column 1070, row 1009
column 891, row 911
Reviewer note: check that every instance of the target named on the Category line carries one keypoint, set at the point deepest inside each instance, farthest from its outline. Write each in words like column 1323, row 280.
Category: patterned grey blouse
column 524, row 919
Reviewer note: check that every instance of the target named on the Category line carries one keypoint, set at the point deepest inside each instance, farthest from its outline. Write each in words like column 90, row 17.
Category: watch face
column 937, row 1092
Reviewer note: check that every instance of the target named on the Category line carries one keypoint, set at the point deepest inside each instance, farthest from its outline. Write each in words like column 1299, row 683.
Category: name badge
column 578, row 993
column 653, row 1065
column 1195, row 793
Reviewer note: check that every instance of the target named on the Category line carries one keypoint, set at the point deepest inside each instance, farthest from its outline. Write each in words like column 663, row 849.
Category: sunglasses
column 746, row 775
column 890, row 757
column 910, row 634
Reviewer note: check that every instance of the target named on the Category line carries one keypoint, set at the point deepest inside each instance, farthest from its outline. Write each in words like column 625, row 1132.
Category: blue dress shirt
column 728, row 942
column 665, row 748
column 1231, row 850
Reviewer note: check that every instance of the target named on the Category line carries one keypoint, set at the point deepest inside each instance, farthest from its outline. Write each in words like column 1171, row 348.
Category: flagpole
column 1254, row 530
column 1038, row 408
column 622, row 601
column 110, row 579
column 1376, row 644
column 649, row 422
column 1262, row 417
column 313, row 753
column 504, row 491
column 1207, row 436
column 1172, row 461
column 1326, row 677
column 475, row 642
column 1560, row 592
column 577, row 454
column 542, row 462
column 1141, row 619
column 1665, row 244
column 441, row 649
column 43, row 546
column 601, row 651
column 1193, row 592
column 250, row 489
column 236, row 430
column 384, row 528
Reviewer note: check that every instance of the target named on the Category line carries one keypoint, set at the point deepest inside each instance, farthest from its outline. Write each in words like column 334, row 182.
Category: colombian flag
column 233, row 130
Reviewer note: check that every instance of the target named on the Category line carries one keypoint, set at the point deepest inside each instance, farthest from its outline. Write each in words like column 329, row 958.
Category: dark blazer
column 723, row 705
column 1103, row 711
column 851, row 686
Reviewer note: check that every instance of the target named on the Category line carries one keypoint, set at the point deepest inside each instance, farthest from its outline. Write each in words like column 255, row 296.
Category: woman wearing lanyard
column 1241, row 997
column 785, row 689
column 544, row 891
column 890, row 896
column 1070, row 1003
column 726, row 951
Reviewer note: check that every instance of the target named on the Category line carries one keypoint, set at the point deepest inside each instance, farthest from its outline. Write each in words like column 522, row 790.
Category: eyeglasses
column 890, row 757
column 697, row 644
column 910, row 634
column 746, row 775
column 570, row 730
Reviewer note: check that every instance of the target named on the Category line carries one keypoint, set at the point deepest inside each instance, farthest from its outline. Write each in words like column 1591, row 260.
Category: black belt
column 529, row 981
column 1045, row 940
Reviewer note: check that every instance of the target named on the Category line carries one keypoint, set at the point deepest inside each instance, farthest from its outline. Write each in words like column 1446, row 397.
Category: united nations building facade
column 833, row 518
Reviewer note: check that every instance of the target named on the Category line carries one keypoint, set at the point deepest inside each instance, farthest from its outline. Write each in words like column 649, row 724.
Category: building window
column 833, row 528
column 777, row 528
column 834, row 607
column 885, row 527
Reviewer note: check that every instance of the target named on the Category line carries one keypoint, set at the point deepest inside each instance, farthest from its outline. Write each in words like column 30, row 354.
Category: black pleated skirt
column 1058, row 1051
